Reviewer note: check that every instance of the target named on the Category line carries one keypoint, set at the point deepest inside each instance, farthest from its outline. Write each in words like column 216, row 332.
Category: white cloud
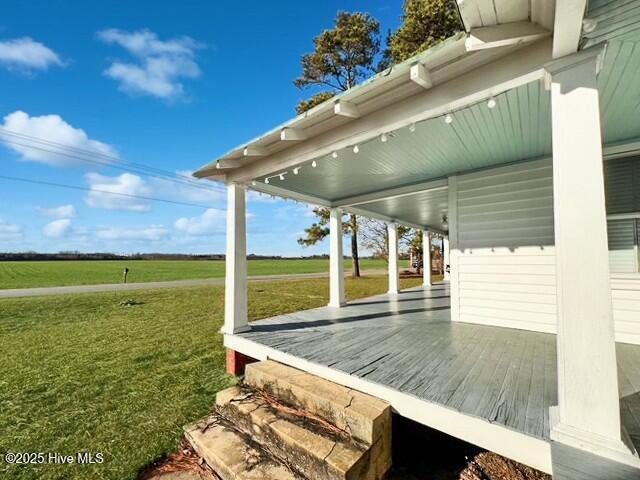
column 210, row 222
column 63, row 211
column 49, row 128
column 149, row 233
column 103, row 187
column 190, row 189
column 25, row 54
column 57, row 228
column 10, row 231
column 161, row 64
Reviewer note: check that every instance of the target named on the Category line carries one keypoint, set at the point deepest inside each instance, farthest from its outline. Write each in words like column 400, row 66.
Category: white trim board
column 496, row 438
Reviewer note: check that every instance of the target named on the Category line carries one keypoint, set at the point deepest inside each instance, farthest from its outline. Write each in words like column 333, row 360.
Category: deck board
column 409, row 344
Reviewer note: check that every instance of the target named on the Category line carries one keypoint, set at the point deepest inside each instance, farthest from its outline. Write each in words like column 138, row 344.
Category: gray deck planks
column 504, row 375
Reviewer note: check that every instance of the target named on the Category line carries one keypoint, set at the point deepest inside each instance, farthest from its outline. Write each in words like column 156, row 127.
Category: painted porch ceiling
column 423, row 208
column 619, row 85
column 518, row 128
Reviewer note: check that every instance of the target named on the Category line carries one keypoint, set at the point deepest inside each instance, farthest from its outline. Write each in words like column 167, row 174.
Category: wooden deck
column 407, row 344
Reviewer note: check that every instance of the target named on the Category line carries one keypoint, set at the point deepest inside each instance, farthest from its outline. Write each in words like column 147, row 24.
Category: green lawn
column 85, row 373
column 91, row 272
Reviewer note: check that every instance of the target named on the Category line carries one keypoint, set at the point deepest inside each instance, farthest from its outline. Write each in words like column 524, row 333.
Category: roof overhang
column 497, row 60
column 455, row 56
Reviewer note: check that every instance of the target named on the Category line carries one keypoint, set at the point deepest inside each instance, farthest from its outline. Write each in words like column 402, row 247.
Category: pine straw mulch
column 489, row 466
column 185, row 459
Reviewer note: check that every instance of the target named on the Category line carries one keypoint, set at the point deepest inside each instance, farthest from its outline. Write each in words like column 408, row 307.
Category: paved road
column 116, row 287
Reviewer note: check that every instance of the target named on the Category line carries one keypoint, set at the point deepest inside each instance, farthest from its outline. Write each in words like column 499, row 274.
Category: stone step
column 364, row 417
column 309, row 446
column 232, row 455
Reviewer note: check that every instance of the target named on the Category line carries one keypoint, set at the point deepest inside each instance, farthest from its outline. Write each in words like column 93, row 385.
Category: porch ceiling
column 517, row 128
column 426, row 208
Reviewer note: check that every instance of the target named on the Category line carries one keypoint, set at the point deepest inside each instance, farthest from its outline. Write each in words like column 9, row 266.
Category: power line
column 97, row 162
column 129, row 195
column 108, row 160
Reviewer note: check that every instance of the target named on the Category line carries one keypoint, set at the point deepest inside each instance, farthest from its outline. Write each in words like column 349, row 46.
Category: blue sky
column 165, row 84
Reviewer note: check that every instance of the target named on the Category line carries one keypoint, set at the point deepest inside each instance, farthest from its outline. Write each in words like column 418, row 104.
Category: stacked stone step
column 287, row 424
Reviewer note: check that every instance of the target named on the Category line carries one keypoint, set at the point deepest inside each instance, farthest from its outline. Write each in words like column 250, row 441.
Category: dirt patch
column 489, row 466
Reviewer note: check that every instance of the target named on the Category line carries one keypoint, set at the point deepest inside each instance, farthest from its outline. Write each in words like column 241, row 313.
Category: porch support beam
column 588, row 414
column 394, row 272
column 336, row 259
column 445, row 258
column 235, row 292
column 504, row 35
column 346, row 109
column 288, row 134
column 426, row 258
column 419, row 74
column 220, row 164
column 567, row 26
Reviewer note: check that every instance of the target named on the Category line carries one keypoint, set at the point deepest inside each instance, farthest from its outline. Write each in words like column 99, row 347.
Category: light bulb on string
column 356, row 149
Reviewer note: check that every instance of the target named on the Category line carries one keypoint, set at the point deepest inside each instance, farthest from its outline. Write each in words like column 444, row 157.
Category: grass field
column 86, row 373
column 61, row 273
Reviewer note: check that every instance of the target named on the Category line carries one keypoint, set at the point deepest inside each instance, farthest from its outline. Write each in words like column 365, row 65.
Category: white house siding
column 505, row 257
column 625, row 290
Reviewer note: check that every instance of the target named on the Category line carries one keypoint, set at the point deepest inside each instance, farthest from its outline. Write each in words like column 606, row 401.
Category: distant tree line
column 62, row 256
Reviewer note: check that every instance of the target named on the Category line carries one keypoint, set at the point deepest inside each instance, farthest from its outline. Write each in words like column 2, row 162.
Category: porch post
column 445, row 257
column 394, row 272
column 235, row 292
column 426, row 258
column 336, row 259
column 588, row 414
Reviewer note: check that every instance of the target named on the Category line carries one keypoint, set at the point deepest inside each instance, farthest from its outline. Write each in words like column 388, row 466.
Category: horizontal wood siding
column 625, row 290
column 506, row 254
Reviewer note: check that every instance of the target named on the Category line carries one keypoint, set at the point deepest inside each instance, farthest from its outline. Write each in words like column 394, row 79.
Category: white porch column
column 235, row 292
column 336, row 259
column 394, row 272
column 588, row 415
column 445, row 258
column 426, row 258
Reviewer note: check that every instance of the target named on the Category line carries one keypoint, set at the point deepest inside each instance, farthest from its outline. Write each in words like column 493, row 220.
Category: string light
column 356, row 149
column 448, row 118
column 491, row 103
column 296, row 170
column 253, row 183
column 383, row 138
column 412, row 127
column 281, row 176
column 334, row 154
column 266, row 180
column 314, row 164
